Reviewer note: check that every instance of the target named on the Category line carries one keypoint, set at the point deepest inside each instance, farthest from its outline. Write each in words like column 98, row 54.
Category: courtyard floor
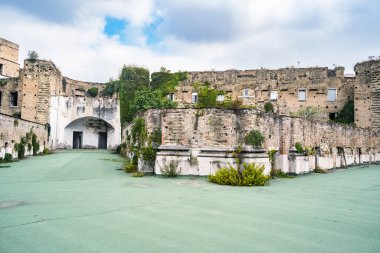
column 78, row 201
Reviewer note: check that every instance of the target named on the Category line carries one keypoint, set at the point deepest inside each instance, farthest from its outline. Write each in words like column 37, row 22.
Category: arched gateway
column 90, row 132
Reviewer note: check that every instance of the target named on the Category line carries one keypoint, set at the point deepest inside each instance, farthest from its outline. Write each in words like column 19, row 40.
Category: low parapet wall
column 13, row 129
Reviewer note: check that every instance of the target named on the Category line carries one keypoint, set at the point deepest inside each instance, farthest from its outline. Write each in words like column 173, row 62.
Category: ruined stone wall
column 9, row 51
column 13, row 129
column 286, row 82
column 227, row 128
column 40, row 80
column 7, row 104
column 79, row 88
column 367, row 94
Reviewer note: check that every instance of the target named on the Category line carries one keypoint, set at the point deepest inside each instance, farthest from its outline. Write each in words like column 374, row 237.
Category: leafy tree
column 160, row 78
column 132, row 79
column 93, row 92
column 111, row 87
column 33, row 56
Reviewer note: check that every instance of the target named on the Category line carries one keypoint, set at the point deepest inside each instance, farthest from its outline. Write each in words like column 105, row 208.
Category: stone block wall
column 367, row 94
column 199, row 128
column 286, row 82
column 8, row 86
column 9, row 51
column 40, row 79
column 13, row 129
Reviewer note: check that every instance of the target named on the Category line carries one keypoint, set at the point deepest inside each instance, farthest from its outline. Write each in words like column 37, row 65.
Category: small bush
column 93, row 92
column 46, row 151
column 8, row 158
column 252, row 175
column 268, row 107
column 171, row 169
column 254, row 138
column 138, row 174
column 309, row 151
column 299, row 148
column 130, row 168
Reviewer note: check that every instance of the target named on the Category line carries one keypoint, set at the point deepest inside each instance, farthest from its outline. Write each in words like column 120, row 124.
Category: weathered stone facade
column 13, row 129
column 210, row 131
column 9, row 66
column 367, row 94
column 255, row 87
column 64, row 105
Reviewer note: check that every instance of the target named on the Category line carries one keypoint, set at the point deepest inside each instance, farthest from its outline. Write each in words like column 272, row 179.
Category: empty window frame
column 245, row 93
column 220, row 98
column 273, row 95
column 13, row 98
column 170, row 96
column 1, row 69
column 194, row 98
column 302, row 94
column 1, row 97
column 331, row 95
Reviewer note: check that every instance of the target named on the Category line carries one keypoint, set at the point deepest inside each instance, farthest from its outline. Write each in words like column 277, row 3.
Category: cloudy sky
column 91, row 40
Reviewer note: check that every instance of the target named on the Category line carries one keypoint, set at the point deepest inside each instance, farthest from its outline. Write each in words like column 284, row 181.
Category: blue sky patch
column 115, row 27
column 151, row 32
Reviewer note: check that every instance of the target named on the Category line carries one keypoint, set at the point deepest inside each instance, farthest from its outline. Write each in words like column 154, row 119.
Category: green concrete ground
column 80, row 202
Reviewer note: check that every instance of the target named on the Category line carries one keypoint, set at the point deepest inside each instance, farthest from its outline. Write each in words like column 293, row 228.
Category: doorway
column 77, row 139
column 102, row 143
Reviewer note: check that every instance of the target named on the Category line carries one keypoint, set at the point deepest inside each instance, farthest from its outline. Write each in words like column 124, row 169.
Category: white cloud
column 198, row 35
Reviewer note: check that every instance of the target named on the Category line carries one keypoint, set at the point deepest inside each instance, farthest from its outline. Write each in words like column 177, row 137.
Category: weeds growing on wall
column 309, row 112
column 138, row 174
column 171, row 169
column 8, row 158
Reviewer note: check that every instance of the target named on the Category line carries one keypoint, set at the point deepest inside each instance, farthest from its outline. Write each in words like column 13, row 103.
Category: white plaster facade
column 69, row 114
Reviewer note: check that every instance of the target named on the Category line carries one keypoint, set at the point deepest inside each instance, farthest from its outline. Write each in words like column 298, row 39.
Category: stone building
column 74, row 116
column 289, row 89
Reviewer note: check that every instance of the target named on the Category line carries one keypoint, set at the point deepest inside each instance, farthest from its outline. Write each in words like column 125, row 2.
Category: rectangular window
column 1, row 69
column 331, row 95
column 1, row 97
column 273, row 95
column 245, row 93
column 14, row 98
column 170, row 96
column 194, row 98
column 302, row 95
column 220, row 98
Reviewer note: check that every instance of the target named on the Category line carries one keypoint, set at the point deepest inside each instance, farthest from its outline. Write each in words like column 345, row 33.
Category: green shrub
column 93, row 92
column 138, row 174
column 268, row 107
column 171, row 169
column 149, row 155
column 254, row 138
column 252, row 175
column 346, row 115
column 46, row 151
column 8, row 158
column 309, row 151
column 299, row 148
column 35, row 144
column 130, row 168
